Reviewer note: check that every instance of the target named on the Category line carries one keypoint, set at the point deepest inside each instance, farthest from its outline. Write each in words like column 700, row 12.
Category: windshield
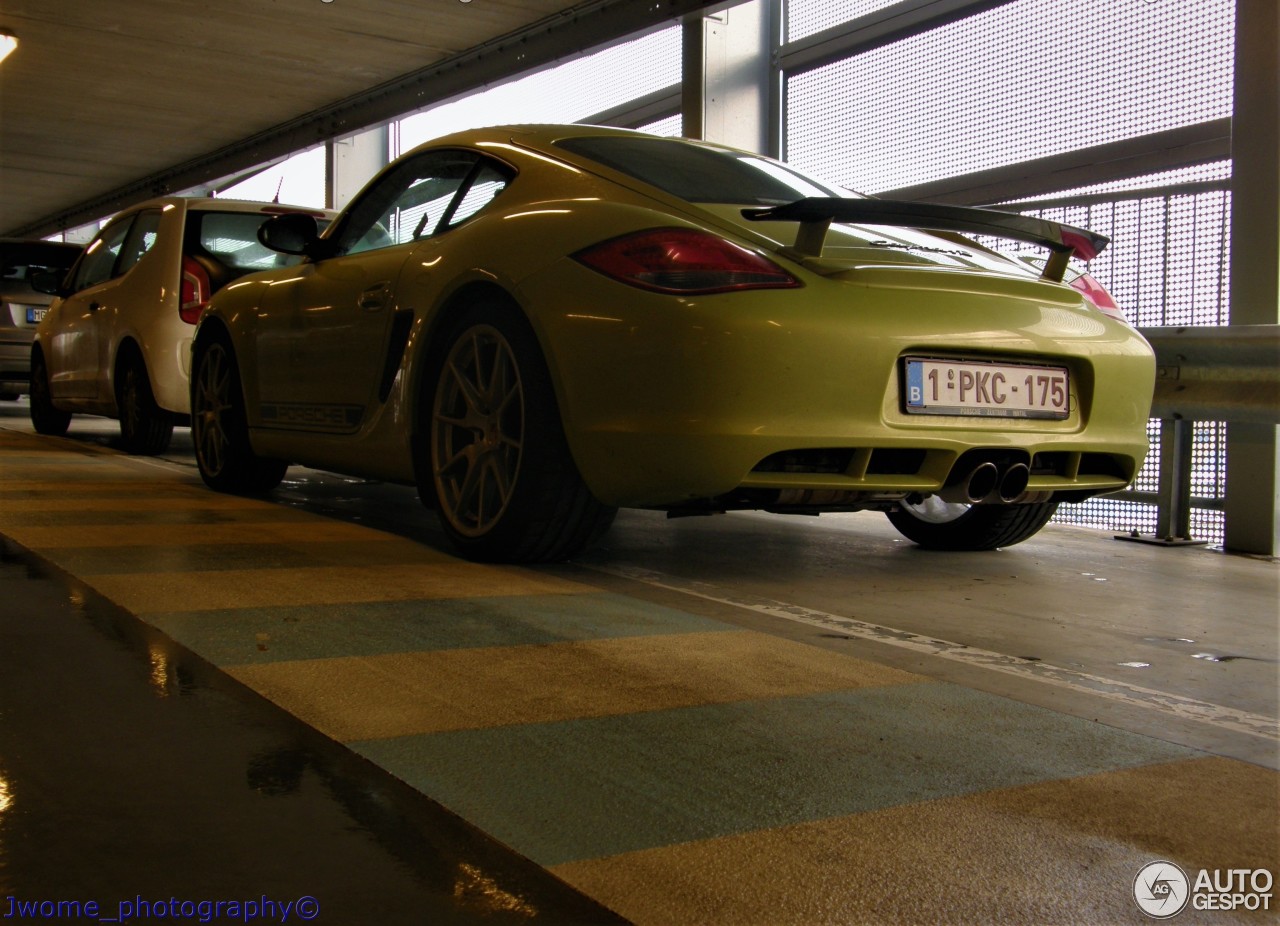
column 701, row 173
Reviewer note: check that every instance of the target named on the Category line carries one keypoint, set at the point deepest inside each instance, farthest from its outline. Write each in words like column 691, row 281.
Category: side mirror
column 291, row 233
column 48, row 282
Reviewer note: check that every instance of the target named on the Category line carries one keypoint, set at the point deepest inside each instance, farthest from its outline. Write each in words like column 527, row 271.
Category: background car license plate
column 971, row 389
column 35, row 314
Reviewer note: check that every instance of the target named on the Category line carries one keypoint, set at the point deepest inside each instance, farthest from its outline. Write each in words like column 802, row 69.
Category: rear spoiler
column 816, row 214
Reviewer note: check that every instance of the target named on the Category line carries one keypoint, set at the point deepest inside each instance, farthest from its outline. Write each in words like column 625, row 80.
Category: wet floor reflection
column 132, row 771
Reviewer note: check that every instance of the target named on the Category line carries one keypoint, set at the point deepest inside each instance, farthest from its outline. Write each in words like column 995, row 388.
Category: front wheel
column 505, row 483
column 938, row 525
column 219, row 428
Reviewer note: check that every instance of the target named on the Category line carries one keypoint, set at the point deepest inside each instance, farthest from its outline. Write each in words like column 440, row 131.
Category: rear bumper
column 670, row 401
column 15, row 360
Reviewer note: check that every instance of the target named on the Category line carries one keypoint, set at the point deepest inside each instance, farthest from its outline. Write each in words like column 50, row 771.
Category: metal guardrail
column 1226, row 373
column 1219, row 373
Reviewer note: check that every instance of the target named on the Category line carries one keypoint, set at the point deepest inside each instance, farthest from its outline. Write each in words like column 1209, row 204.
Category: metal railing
column 1209, row 373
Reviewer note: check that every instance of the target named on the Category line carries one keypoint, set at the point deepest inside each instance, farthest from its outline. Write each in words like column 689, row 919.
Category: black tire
column 504, row 482
column 219, row 428
column 938, row 525
column 145, row 427
column 45, row 418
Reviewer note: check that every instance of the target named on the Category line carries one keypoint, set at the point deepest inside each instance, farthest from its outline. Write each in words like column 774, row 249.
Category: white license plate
column 985, row 390
column 35, row 314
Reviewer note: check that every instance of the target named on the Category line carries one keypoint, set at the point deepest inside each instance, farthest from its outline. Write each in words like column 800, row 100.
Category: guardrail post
column 1173, row 505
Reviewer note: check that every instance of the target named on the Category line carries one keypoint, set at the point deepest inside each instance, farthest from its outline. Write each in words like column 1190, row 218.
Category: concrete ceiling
column 113, row 100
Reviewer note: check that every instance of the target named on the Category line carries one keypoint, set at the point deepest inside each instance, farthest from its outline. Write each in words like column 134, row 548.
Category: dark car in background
column 22, row 307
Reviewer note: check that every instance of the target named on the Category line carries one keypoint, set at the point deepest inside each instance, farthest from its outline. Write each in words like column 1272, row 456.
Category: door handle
column 94, row 306
column 375, row 296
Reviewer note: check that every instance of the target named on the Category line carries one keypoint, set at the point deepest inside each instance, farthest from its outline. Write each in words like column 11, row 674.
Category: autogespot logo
column 1161, row 890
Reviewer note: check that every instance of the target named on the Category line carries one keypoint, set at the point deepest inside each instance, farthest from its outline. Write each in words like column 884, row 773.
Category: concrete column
column 350, row 162
column 1253, row 466
column 730, row 84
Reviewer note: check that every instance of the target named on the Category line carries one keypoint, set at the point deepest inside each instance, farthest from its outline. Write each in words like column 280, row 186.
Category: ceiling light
column 8, row 42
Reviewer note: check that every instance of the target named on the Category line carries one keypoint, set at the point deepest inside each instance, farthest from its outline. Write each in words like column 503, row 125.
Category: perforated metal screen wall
column 1021, row 81
column 805, row 17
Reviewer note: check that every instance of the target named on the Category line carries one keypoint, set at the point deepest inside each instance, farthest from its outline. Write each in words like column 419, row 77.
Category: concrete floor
column 740, row 719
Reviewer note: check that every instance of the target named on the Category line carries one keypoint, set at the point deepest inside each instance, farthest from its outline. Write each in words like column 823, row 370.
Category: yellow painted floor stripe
column 400, row 694
column 259, row 588
column 80, row 488
column 249, row 533
column 1008, row 856
column 133, row 501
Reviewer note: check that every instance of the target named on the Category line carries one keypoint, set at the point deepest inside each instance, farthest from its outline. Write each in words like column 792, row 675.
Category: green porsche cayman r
column 537, row 325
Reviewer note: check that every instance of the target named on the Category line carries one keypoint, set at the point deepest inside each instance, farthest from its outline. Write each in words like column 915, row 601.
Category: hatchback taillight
column 193, row 296
column 684, row 261
column 1097, row 294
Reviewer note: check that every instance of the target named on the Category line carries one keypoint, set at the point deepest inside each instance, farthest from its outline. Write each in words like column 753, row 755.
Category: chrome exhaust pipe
column 1014, row 482
column 982, row 482
column 970, row 489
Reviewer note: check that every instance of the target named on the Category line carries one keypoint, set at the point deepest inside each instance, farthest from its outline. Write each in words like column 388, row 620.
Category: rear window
column 701, row 173
column 232, row 238
column 21, row 259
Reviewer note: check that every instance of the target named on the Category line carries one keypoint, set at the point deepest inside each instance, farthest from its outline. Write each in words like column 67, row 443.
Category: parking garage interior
column 310, row 699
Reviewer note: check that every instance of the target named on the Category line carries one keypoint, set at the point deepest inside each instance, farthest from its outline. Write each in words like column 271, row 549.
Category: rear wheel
column 505, row 484
column 939, row 525
column 44, row 417
column 219, row 428
column 145, row 428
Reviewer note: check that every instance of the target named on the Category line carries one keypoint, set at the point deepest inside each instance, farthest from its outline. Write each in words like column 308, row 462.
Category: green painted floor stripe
column 264, row 635
column 560, row 792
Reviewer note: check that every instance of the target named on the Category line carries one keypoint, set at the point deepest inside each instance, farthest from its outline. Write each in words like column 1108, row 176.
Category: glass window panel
column 569, row 92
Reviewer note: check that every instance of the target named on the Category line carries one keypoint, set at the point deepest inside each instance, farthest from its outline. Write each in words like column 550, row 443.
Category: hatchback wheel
column 505, row 484
column 45, row 418
column 219, row 428
column 145, row 428
column 939, row 525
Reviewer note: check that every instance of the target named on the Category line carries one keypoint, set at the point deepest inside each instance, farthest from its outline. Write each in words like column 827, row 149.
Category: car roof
column 214, row 204
column 537, row 134
column 18, row 251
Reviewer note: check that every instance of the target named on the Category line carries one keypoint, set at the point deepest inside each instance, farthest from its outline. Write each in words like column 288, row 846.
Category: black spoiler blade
column 816, row 214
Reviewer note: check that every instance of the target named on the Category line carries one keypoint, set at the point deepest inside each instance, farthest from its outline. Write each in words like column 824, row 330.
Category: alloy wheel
column 478, row 430
column 210, row 404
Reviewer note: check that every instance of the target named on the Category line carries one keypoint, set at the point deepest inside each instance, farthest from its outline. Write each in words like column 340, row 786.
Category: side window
column 100, row 256
column 141, row 237
column 488, row 182
column 420, row 198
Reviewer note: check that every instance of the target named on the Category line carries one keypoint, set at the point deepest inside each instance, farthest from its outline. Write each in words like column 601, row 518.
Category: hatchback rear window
column 699, row 172
column 232, row 237
column 21, row 259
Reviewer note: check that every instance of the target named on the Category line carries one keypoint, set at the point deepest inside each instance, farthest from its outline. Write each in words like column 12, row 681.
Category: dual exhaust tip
column 987, row 482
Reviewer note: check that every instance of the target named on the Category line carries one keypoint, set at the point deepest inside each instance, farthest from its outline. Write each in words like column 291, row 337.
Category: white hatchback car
column 117, row 340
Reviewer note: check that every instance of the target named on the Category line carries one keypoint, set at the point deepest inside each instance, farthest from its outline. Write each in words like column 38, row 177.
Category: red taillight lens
column 684, row 261
column 193, row 297
column 1096, row 293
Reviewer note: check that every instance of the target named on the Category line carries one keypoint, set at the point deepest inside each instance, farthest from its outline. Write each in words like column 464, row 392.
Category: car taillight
column 193, row 296
column 1097, row 294
column 684, row 261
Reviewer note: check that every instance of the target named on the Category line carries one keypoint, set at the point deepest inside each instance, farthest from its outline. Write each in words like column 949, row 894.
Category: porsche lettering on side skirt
column 297, row 416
